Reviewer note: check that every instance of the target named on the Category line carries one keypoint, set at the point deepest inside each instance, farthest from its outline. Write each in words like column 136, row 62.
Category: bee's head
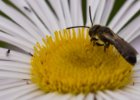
column 94, row 30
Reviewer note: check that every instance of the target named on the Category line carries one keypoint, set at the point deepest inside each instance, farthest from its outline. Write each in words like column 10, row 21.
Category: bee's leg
column 93, row 39
column 98, row 44
column 106, row 45
column 94, row 43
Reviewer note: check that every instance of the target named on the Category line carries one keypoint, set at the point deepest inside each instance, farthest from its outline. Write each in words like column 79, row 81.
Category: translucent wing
column 124, row 48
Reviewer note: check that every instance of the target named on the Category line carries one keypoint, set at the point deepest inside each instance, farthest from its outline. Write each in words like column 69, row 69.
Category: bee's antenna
column 90, row 15
column 84, row 26
column 77, row 27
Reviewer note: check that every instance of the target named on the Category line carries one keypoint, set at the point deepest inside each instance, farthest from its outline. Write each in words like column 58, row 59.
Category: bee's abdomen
column 131, row 59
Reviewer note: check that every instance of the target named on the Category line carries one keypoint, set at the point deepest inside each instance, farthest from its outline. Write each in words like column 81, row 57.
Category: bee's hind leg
column 106, row 45
column 98, row 44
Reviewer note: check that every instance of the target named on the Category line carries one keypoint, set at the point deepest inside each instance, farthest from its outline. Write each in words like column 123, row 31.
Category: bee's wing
column 124, row 48
column 123, row 45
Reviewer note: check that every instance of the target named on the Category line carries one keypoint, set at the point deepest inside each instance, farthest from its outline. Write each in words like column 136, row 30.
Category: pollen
column 68, row 62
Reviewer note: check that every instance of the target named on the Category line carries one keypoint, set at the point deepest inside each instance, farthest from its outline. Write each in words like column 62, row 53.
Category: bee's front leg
column 98, row 44
column 93, row 40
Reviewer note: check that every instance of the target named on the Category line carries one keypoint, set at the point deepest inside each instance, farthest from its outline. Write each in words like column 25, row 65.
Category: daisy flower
column 47, row 61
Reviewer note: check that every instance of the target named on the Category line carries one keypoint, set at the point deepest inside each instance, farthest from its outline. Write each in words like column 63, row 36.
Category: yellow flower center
column 70, row 63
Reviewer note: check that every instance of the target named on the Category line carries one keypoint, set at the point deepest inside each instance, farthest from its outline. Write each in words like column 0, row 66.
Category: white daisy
column 51, row 62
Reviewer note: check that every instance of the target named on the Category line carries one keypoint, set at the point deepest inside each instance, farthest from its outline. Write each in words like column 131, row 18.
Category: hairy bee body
column 107, row 36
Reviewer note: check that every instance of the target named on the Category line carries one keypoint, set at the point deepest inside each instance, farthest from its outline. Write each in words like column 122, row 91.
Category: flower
column 44, row 47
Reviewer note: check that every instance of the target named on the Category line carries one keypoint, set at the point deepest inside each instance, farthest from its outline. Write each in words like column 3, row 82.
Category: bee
column 107, row 36
column 104, row 36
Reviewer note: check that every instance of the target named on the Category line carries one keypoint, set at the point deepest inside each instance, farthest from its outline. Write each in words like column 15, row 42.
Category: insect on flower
column 104, row 36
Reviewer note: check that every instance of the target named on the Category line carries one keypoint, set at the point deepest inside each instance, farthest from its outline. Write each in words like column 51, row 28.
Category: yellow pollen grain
column 70, row 63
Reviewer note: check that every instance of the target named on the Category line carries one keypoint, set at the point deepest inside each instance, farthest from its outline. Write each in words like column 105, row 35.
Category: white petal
column 59, row 12
column 136, row 34
column 78, row 97
column 107, row 10
column 23, row 6
column 76, row 14
column 31, row 95
column 137, row 88
column 40, row 13
column 99, row 12
column 138, row 58
column 48, row 96
column 116, row 95
column 12, row 85
column 14, row 56
column 133, row 89
column 21, row 20
column 94, row 4
column 98, row 97
column 104, row 96
column 136, row 74
column 48, row 14
column 14, row 69
column 67, row 14
column 14, row 30
column 80, row 14
column 136, row 80
column 120, row 13
column 137, row 69
column 130, row 95
column 130, row 29
column 17, row 89
column 22, row 92
column 15, row 64
column 7, row 81
column 127, row 16
column 135, row 44
column 61, row 97
column 16, row 42
column 14, row 75
column 90, row 96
